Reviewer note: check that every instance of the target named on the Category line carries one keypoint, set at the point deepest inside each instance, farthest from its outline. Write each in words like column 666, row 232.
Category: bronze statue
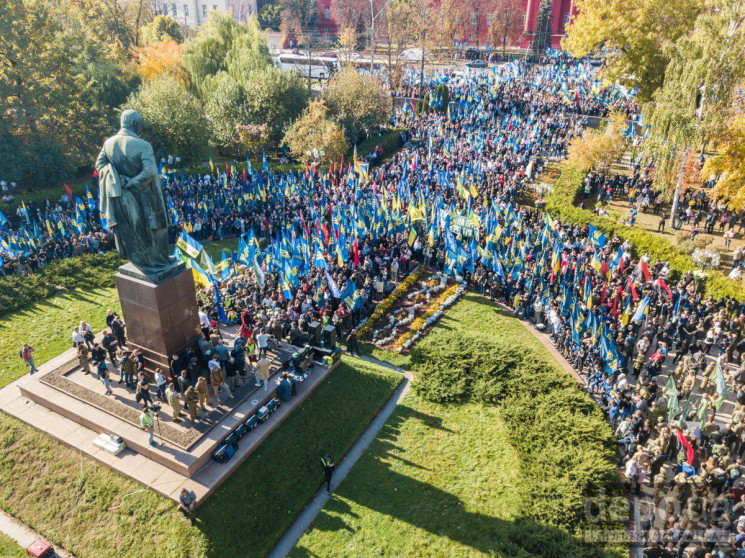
column 131, row 199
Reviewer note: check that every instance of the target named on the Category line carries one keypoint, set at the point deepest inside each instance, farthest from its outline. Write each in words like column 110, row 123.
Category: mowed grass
column 47, row 325
column 439, row 480
column 10, row 549
column 93, row 511
column 251, row 511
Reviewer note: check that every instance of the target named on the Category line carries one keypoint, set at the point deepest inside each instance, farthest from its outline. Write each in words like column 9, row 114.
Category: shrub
column 566, row 448
column 89, row 271
column 561, row 205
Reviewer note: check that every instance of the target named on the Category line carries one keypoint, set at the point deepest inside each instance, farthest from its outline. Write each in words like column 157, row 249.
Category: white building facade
column 191, row 13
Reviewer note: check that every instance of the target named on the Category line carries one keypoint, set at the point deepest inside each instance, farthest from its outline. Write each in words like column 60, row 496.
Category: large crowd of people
column 328, row 247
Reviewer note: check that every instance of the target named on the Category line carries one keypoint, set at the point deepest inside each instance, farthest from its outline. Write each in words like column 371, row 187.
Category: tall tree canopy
column 174, row 118
column 59, row 86
column 634, row 34
column 223, row 44
column 695, row 104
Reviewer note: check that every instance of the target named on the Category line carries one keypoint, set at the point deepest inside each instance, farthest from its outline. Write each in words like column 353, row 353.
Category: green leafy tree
column 58, row 88
column 314, row 130
column 174, row 118
column 223, row 44
column 638, row 32
column 270, row 16
column 225, row 111
column 160, row 29
column 695, row 104
column 358, row 103
column 274, row 98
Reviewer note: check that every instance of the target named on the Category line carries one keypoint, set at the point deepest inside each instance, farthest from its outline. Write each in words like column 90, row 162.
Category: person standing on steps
column 328, row 470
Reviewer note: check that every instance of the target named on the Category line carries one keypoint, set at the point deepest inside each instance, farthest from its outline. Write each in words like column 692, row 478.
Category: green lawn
column 439, row 480
column 92, row 511
column 47, row 325
column 453, row 479
column 9, row 548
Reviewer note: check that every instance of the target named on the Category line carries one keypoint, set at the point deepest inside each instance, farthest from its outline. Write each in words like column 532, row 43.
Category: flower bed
column 405, row 318
column 388, row 303
column 420, row 326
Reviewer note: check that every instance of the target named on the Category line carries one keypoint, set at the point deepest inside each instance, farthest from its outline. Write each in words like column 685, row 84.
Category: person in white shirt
column 204, row 324
column 262, row 343
column 77, row 337
column 87, row 333
column 161, row 383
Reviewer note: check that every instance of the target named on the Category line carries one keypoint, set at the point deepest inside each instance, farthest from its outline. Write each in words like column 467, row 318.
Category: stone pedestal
column 161, row 317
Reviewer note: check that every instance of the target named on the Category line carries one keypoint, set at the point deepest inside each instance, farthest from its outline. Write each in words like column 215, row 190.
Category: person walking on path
column 328, row 471
column 103, row 375
column 352, row 345
column 27, row 354
column 147, row 422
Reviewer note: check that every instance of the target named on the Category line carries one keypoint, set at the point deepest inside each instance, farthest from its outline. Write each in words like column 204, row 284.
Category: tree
column 254, row 138
column 174, row 118
column 314, row 130
column 728, row 166
column 475, row 15
column 299, row 20
column 270, row 16
column 542, row 35
column 157, row 59
column 598, row 150
column 448, row 15
column 417, row 19
column 161, row 29
column 357, row 103
column 348, row 13
column 226, row 111
column 506, row 22
column 58, row 87
column 695, row 104
column 636, row 31
column 223, row 44
column 275, row 98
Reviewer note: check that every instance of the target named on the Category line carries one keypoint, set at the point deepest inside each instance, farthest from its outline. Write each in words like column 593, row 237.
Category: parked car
column 477, row 64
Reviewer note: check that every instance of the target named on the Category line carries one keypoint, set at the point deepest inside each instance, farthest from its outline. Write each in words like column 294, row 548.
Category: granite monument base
column 161, row 318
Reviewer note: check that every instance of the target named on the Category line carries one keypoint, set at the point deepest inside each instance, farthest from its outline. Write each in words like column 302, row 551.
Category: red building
column 563, row 10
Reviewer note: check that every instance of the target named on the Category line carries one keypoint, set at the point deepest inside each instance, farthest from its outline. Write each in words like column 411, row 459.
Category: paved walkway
column 306, row 517
column 24, row 536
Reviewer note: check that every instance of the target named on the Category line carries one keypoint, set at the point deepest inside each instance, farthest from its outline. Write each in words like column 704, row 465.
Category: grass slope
column 93, row 511
column 47, row 325
column 439, row 480
column 444, row 479
column 9, row 548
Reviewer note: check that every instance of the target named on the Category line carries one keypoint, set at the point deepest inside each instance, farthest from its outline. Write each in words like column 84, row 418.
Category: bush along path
column 561, row 204
column 479, row 357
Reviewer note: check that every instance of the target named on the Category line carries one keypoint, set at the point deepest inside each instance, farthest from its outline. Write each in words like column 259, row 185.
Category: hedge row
column 561, row 204
column 566, row 449
column 89, row 271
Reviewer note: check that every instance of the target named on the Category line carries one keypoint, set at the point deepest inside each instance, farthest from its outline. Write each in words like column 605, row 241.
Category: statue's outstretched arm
column 149, row 168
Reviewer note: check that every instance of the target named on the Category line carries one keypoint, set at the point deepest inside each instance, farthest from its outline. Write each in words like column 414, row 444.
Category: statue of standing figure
column 131, row 199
